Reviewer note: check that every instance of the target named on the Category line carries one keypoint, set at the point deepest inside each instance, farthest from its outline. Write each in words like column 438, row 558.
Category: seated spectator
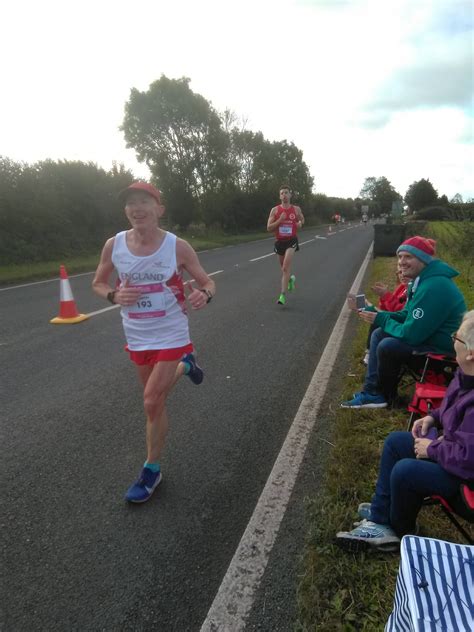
column 433, row 310
column 389, row 302
column 415, row 465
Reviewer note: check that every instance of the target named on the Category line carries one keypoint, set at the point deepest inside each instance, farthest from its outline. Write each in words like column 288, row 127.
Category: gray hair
column 468, row 328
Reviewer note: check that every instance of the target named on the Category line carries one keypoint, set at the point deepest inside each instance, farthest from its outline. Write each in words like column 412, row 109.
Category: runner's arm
column 189, row 261
column 273, row 224
column 100, row 284
column 124, row 295
column 300, row 216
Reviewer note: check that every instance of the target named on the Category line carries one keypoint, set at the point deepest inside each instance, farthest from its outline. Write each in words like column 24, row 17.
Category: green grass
column 88, row 262
column 338, row 590
column 47, row 269
column 455, row 245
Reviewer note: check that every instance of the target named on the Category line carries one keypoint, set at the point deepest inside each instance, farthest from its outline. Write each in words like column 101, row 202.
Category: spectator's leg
column 371, row 383
column 392, row 354
column 411, row 481
column 397, row 446
column 372, row 328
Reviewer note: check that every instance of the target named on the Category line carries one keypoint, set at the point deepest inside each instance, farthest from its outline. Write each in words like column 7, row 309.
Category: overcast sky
column 363, row 87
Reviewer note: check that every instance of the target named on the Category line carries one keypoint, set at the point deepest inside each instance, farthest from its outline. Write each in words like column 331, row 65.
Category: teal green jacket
column 433, row 311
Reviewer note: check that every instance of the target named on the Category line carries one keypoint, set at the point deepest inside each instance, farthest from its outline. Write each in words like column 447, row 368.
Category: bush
column 433, row 213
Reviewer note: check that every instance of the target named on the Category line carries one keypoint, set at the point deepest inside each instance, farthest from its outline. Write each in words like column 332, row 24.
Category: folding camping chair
column 434, row 587
column 461, row 505
column 430, row 385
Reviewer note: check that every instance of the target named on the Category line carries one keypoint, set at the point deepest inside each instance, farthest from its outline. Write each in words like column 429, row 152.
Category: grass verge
column 88, row 262
column 339, row 590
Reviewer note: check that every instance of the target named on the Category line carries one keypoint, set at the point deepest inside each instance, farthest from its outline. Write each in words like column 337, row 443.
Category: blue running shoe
column 365, row 400
column 144, row 487
column 369, row 535
column 195, row 374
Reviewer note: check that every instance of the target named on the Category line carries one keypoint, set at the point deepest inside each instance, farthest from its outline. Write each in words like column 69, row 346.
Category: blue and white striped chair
column 435, row 587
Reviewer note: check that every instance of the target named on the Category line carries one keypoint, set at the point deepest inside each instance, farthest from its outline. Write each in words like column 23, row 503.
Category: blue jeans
column 404, row 481
column 387, row 356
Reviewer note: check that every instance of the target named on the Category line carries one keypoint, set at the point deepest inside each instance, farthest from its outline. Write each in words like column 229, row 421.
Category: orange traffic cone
column 68, row 313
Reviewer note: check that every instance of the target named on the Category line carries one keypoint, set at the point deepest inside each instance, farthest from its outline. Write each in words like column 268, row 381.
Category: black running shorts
column 282, row 245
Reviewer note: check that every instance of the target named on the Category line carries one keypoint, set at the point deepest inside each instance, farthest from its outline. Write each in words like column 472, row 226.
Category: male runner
column 149, row 263
column 284, row 220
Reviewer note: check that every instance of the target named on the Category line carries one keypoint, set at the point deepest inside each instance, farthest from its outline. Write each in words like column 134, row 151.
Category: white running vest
column 158, row 319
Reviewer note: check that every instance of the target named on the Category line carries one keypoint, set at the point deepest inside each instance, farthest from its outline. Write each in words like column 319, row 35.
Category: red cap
column 140, row 186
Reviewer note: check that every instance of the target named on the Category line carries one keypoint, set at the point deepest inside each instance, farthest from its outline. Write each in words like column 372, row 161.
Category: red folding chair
column 462, row 505
column 431, row 386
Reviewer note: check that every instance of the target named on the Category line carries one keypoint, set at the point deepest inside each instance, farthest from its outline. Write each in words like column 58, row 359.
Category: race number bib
column 150, row 303
column 285, row 230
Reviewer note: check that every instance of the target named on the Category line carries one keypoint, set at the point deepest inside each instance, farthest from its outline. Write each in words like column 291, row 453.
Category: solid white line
column 305, row 242
column 236, row 594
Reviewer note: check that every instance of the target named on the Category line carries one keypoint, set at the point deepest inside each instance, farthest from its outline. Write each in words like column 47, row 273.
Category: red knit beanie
column 420, row 247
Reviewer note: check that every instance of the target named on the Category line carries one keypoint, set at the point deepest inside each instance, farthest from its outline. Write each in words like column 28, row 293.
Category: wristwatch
column 208, row 294
column 111, row 297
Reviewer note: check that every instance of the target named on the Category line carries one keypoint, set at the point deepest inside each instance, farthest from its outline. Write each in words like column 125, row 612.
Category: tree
column 380, row 194
column 420, row 194
column 66, row 208
column 457, row 199
column 180, row 137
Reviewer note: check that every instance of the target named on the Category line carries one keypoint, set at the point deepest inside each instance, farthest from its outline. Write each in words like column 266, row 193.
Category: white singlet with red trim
column 158, row 319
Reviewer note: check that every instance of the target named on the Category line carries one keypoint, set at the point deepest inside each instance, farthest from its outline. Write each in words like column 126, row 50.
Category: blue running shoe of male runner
column 144, row 487
column 195, row 373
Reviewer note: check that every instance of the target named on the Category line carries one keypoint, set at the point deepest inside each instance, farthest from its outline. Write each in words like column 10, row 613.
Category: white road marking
column 70, row 276
column 319, row 237
column 234, row 599
column 272, row 253
column 262, row 257
column 105, row 309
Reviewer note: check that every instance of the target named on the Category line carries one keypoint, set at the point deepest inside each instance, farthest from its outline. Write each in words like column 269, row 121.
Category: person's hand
column 126, row 294
column 380, row 288
column 369, row 317
column 421, row 448
column 421, row 426
column 197, row 298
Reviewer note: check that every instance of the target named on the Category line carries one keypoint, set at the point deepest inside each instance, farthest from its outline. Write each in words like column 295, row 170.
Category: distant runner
column 284, row 220
column 149, row 263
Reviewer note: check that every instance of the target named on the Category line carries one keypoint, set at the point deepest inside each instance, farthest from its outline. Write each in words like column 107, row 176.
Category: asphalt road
column 75, row 555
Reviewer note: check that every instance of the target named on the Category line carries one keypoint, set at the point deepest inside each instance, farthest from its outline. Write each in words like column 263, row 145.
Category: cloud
column 442, row 84
column 435, row 68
